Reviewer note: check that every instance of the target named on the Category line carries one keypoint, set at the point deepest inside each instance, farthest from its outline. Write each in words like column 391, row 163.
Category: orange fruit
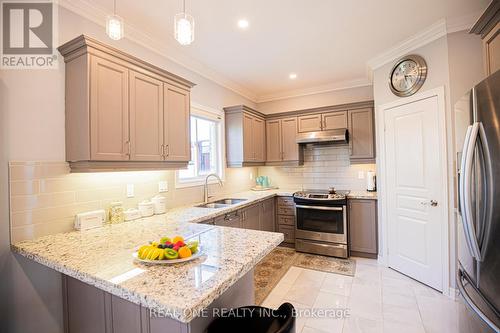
column 177, row 239
column 184, row 252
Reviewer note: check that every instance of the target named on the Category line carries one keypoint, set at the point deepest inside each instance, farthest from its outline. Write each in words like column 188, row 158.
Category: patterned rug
column 274, row 266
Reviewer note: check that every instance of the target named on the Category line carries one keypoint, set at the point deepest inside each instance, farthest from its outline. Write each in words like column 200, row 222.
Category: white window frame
column 212, row 114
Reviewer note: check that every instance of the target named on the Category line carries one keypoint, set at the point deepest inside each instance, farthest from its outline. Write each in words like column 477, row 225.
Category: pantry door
column 415, row 180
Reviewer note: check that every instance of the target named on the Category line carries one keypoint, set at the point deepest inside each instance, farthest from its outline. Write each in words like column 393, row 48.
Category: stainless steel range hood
column 332, row 136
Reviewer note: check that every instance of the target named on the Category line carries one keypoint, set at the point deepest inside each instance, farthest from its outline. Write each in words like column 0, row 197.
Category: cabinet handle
column 168, row 150
column 129, row 148
column 162, row 147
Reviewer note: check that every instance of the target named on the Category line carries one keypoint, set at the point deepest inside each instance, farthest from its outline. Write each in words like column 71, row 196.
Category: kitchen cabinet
column 309, row 123
column 334, row 120
column 322, row 121
column 282, row 148
column 285, row 210
column 267, row 215
column 177, row 142
column 232, row 219
column 245, row 137
column 363, row 228
column 109, row 117
column 361, row 136
column 488, row 27
column 250, row 217
column 146, row 118
column 121, row 112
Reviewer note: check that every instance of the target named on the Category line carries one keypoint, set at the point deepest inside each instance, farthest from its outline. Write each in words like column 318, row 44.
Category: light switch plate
column 162, row 186
column 130, row 190
column 361, row 175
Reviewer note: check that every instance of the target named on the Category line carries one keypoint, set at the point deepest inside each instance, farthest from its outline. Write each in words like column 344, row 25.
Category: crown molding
column 165, row 48
column 430, row 34
column 435, row 31
column 336, row 86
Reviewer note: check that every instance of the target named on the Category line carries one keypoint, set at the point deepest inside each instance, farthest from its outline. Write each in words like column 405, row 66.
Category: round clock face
column 408, row 75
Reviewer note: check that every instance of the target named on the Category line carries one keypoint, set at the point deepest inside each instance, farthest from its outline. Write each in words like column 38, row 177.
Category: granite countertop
column 103, row 258
column 362, row 195
column 194, row 214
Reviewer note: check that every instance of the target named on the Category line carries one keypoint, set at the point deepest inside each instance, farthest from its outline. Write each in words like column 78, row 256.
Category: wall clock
column 408, row 75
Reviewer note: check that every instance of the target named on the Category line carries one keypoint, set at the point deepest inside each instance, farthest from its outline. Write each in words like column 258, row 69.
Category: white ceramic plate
column 171, row 261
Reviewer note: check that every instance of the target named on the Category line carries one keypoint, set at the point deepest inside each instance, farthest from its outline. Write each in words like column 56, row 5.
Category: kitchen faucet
column 205, row 198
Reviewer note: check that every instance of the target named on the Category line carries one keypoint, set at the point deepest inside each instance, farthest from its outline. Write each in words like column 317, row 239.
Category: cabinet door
column 125, row 316
column 288, row 137
column 259, row 139
column 492, row 50
column 334, row 120
column 176, row 111
column 273, row 139
column 251, row 217
column 248, row 140
column 146, row 118
column 267, row 215
column 361, row 134
column 85, row 307
column 309, row 123
column 363, row 226
column 229, row 220
column 109, row 116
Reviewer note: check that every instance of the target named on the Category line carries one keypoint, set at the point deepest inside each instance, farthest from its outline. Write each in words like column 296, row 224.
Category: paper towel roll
column 371, row 181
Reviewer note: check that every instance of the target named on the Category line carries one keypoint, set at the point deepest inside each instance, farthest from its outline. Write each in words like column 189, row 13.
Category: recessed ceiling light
column 292, row 76
column 243, row 24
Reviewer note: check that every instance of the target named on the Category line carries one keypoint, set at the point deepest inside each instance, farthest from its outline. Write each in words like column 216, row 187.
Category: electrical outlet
column 162, row 186
column 361, row 175
column 130, row 190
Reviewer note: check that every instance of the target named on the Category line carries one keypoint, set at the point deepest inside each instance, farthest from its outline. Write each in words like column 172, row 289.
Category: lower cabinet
column 250, row 217
column 363, row 228
column 232, row 219
column 267, row 215
column 285, row 210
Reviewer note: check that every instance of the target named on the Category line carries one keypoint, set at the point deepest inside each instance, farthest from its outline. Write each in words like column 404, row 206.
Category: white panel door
column 415, row 183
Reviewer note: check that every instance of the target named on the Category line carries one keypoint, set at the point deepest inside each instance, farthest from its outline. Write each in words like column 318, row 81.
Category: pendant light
column 184, row 27
column 114, row 25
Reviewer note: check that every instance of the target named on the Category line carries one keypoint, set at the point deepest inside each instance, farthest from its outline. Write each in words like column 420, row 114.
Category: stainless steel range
column 321, row 225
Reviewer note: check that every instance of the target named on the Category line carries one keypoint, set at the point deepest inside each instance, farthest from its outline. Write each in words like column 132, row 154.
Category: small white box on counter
column 89, row 220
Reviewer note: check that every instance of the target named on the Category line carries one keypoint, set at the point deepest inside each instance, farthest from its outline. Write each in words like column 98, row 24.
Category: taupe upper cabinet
column 322, row 121
column 361, row 136
column 488, row 27
column 176, row 144
column 282, row 147
column 245, row 136
column 121, row 112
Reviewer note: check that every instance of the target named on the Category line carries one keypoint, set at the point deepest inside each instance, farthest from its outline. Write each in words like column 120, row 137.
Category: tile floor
column 378, row 299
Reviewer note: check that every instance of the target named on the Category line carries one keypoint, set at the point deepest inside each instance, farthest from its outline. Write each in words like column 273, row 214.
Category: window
column 206, row 150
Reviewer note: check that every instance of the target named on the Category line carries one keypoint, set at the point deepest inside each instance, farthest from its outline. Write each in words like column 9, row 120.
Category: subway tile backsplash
column 324, row 166
column 45, row 196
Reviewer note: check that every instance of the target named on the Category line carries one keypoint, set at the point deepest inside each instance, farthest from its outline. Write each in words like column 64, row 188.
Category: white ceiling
column 326, row 42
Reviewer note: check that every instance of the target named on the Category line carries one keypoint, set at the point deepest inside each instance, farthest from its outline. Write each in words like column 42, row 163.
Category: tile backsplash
column 45, row 196
column 324, row 166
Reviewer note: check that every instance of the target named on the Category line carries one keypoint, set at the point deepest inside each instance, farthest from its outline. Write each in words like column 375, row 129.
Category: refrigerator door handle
column 465, row 190
column 470, row 303
column 488, row 216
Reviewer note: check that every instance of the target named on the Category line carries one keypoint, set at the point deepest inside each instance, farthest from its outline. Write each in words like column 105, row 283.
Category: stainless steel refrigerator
column 477, row 140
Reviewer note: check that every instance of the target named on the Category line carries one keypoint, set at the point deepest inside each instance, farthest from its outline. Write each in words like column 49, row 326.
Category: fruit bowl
column 168, row 251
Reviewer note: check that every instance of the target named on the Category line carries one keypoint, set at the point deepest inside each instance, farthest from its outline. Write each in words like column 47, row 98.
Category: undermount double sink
column 222, row 203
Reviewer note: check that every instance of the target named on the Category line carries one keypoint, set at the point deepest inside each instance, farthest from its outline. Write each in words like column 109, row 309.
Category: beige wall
column 32, row 129
column 316, row 100
column 455, row 63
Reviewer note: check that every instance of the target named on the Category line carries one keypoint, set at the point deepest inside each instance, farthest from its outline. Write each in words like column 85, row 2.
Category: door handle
column 433, row 203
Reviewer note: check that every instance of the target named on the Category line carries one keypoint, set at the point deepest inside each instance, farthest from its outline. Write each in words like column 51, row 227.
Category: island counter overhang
column 102, row 258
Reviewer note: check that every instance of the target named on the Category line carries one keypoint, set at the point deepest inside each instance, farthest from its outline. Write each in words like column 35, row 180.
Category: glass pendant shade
column 114, row 27
column 184, row 28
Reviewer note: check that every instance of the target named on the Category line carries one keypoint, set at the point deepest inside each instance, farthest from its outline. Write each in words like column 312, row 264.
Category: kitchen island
column 105, row 290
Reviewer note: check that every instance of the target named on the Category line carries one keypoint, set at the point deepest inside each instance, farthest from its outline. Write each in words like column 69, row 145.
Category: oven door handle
column 320, row 207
